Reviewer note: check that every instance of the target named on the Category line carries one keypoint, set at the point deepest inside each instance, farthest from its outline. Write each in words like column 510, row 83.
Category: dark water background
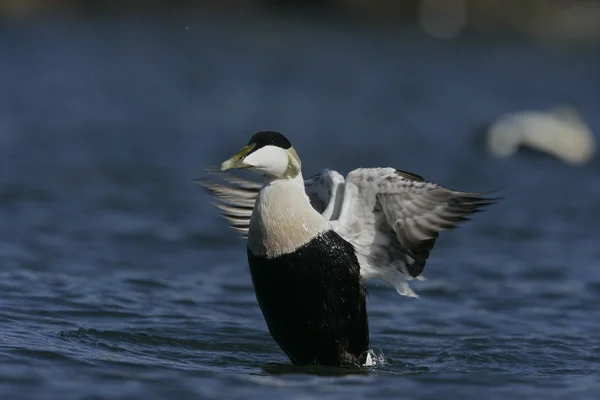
column 118, row 280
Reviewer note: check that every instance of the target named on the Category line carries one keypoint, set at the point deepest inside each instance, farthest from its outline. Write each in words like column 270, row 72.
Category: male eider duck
column 312, row 242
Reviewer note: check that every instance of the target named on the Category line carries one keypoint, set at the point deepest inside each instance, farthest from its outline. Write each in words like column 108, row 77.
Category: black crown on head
column 269, row 138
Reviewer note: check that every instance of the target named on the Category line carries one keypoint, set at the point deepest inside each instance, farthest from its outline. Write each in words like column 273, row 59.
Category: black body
column 313, row 301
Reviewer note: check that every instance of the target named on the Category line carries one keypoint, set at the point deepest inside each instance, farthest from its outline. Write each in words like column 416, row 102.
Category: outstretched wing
column 235, row 196
column 393, row 219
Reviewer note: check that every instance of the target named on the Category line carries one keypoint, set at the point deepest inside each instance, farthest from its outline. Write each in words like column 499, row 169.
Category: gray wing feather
column 235, row 197
column 394, row 218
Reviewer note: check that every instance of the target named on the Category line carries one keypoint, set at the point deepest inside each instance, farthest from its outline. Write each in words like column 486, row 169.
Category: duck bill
column 237, row 161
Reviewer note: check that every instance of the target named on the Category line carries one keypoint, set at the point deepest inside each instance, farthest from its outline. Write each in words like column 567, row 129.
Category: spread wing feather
column 391, row 217
column 235, row 196
column 393, row 220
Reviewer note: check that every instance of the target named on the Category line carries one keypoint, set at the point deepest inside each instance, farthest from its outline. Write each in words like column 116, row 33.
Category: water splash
column 375, row 358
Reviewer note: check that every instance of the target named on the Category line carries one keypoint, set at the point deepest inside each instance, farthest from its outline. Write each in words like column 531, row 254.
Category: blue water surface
column 118, row 279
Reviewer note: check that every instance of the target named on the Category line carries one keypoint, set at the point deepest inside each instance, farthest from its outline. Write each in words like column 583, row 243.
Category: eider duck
column 312, row 242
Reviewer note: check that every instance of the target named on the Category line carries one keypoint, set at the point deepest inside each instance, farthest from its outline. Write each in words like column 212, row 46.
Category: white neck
column 283, row 218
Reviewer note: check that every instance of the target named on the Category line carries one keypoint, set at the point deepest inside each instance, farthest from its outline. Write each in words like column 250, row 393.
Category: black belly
column 313, row 301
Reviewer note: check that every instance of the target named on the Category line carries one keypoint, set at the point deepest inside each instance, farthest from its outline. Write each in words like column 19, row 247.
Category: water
column 118, row 280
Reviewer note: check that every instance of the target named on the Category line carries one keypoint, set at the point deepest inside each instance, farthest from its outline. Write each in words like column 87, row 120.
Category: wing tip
column 474, row 202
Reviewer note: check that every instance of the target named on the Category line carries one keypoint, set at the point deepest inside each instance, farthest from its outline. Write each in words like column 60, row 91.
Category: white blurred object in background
column 560, row 132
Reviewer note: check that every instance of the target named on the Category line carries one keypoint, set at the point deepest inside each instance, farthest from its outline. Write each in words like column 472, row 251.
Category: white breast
column 283, row 219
